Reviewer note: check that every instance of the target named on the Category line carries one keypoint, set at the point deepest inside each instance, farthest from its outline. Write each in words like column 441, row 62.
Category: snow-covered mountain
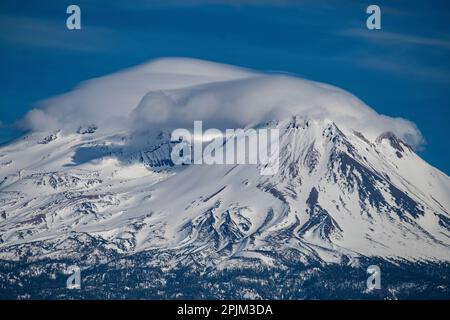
column 88, row 185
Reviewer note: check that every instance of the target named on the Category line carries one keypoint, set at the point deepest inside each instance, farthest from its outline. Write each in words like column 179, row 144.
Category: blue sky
column 402, row 70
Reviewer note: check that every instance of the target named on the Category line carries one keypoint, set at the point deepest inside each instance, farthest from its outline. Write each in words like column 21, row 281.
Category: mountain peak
column 398, row 144
column 336, row 195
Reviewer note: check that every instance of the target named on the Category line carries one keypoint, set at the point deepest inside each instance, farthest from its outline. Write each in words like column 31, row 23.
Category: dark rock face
column 356, row 176
column 396, row 143
column 320, row 221
column 87, row 129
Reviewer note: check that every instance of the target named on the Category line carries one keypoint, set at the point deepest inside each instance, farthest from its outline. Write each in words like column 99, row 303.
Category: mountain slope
column 334, row 194
column 345, row 191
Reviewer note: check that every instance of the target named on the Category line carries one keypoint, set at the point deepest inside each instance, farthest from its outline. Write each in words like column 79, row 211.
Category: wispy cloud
column 52, row 34
column 229, row 2
column 401, row 67
column 142, row 4
column 386, row 37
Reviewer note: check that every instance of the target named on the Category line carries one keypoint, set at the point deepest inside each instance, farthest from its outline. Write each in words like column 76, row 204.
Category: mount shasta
column 92, row 184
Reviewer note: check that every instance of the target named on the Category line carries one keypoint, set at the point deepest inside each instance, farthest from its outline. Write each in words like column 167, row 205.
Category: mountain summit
column 102, row 187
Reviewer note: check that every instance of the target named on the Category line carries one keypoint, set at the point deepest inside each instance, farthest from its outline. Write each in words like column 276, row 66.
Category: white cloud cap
column 173, row 92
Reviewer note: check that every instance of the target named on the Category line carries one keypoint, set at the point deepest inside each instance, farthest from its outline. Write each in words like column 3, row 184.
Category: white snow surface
column 373, row 197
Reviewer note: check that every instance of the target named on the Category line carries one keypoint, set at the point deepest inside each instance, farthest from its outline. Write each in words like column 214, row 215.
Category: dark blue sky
column 402, row 70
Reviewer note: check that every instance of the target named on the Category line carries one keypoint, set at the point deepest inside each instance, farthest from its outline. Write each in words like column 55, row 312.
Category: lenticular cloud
column 173, row 92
